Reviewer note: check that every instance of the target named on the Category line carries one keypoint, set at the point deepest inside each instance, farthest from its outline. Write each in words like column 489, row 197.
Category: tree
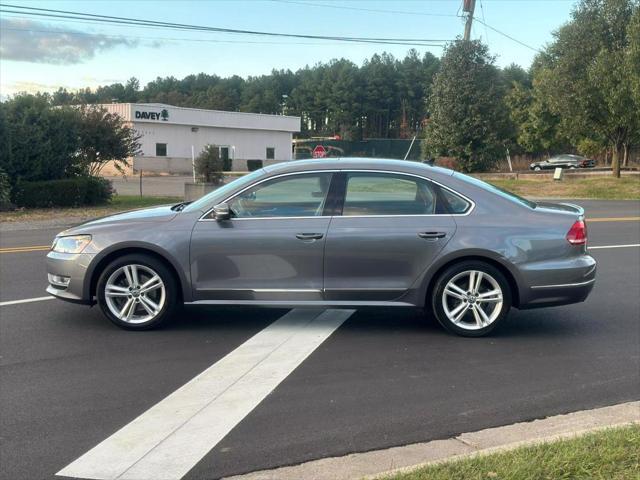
column 209, row 165
column 38, row 142
column 535, row 125
column 515, row 74
column 587, row 78
column 102, row 137
column 468, row 118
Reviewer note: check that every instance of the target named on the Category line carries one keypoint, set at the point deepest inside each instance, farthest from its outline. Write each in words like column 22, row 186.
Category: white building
column 170, row 133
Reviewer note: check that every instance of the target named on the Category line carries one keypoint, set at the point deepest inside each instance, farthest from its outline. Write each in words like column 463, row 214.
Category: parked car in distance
column 563, row 161
column 332, row 233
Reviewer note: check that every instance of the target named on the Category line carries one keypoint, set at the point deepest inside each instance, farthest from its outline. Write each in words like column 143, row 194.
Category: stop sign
column 319, row 152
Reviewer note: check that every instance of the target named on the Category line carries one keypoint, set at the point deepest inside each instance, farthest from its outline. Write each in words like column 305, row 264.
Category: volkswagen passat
column 332, row 233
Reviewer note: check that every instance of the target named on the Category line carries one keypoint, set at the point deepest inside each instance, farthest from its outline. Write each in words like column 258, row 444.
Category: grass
column 605, row 188
column 118, row 204
column 612, row 454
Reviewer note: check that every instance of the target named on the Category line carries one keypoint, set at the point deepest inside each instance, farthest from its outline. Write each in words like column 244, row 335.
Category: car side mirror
column 222, row 211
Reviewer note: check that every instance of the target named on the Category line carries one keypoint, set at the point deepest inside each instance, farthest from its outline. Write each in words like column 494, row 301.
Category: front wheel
column 137, row 292
column 536, row 169
column 471, row 298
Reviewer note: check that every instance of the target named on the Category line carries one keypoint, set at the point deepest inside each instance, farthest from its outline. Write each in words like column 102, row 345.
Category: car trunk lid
column 577, row 210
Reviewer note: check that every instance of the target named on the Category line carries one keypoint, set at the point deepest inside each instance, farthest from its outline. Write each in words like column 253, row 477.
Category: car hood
column 154, row 214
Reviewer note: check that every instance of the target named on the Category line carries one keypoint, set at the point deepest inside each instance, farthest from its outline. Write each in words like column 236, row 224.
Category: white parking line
column 602, row 247
column 166, row 441
column 25, row 300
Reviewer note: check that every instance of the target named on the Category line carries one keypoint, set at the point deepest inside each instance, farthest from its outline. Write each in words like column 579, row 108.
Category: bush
column 253, row 165
column 209, row 165
column 70, row 192
column 5, row 191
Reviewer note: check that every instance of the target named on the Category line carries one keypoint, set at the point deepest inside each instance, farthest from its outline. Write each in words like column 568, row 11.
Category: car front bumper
column 67, row 273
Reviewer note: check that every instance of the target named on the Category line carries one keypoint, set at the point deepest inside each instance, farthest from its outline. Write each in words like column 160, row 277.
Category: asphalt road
column 69, row 379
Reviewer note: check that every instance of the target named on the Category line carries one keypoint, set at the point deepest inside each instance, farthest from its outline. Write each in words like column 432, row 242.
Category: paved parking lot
column 364, row 380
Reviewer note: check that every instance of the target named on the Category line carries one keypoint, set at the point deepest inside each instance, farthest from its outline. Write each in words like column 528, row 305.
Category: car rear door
column 389, row 229
column 271, row 249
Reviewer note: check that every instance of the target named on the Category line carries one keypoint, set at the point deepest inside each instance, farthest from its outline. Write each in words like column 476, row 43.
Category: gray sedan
column 332, row 233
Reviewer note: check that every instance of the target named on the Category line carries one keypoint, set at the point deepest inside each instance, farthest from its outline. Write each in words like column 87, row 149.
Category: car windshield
column 497, row 190
column 219, row 194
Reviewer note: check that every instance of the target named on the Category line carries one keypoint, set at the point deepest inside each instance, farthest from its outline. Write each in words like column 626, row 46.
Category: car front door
column 272, row 246
column 390, row 229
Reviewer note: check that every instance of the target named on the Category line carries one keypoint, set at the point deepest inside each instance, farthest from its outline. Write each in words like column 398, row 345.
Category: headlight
column 71, row 244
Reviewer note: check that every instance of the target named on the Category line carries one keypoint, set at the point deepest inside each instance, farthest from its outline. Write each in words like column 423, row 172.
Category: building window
column 161, row 149
column 271, row 153
column 226, row 159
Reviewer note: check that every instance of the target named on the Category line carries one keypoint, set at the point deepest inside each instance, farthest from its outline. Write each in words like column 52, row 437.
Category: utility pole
column 468, row 6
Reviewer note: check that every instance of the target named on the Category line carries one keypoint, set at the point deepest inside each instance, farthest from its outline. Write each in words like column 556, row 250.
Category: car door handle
column 309, row 236
column 432, row 235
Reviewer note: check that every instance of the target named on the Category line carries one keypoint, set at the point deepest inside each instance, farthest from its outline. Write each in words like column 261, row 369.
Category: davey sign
column 163, row 115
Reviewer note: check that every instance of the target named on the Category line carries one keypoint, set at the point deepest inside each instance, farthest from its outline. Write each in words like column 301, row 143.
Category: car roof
column 359, row 163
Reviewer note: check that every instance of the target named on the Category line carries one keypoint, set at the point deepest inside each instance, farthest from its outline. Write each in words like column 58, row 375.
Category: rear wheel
column 137, row 292
column 471, row 298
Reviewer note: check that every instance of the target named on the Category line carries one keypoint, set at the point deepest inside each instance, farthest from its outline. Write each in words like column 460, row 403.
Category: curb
column 381, row 463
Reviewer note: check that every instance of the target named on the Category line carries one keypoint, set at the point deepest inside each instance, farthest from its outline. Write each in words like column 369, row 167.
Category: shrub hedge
column 69, row 192
column 5, row 191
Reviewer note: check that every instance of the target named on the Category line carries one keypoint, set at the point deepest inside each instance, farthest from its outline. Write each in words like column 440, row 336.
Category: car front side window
column 387, row 194
column 301, row 195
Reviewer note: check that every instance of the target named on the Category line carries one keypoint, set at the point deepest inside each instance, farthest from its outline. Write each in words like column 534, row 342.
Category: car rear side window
column 455, row 203
column 387, row 194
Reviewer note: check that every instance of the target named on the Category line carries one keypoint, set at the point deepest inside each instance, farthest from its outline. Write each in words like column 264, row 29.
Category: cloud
column 37, row 42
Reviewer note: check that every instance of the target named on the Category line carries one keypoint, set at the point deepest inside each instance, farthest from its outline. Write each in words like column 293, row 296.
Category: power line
column 169, row 39
column 485, row 27
column 507, row 36
column 51, row 13
column 405, row 12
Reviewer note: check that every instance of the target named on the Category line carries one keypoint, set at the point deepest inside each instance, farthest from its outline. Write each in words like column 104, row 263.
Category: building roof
column 160, row 113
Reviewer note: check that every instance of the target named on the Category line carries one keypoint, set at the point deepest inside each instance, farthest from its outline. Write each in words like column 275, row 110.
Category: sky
column 42, row 53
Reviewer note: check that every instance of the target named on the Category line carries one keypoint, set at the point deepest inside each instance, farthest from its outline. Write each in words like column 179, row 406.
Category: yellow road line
column 35, row 248
column 613, row 219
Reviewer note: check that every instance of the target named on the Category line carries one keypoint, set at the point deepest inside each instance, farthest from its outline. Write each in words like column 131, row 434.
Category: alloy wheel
column 472, row 300
column 135, row 293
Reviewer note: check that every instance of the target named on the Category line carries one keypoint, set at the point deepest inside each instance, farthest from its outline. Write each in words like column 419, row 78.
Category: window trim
column 340, row 200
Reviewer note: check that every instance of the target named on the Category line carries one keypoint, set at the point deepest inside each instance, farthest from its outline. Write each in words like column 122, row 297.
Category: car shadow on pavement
column 386, row 321
column 531, row 323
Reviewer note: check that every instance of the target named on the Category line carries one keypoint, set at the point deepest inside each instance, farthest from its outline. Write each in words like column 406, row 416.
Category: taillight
column 577, row 234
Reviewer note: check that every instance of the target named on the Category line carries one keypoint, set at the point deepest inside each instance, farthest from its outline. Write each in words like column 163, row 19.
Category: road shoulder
column 406, row 458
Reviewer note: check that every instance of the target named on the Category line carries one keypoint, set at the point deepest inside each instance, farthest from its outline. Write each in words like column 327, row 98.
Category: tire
column 146, row 309
column 572, row 167
column 474, row 317
column 536, row 169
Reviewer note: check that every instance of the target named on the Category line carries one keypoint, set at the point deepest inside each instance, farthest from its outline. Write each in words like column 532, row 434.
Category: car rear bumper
column 66, row 274
column 571, row 282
